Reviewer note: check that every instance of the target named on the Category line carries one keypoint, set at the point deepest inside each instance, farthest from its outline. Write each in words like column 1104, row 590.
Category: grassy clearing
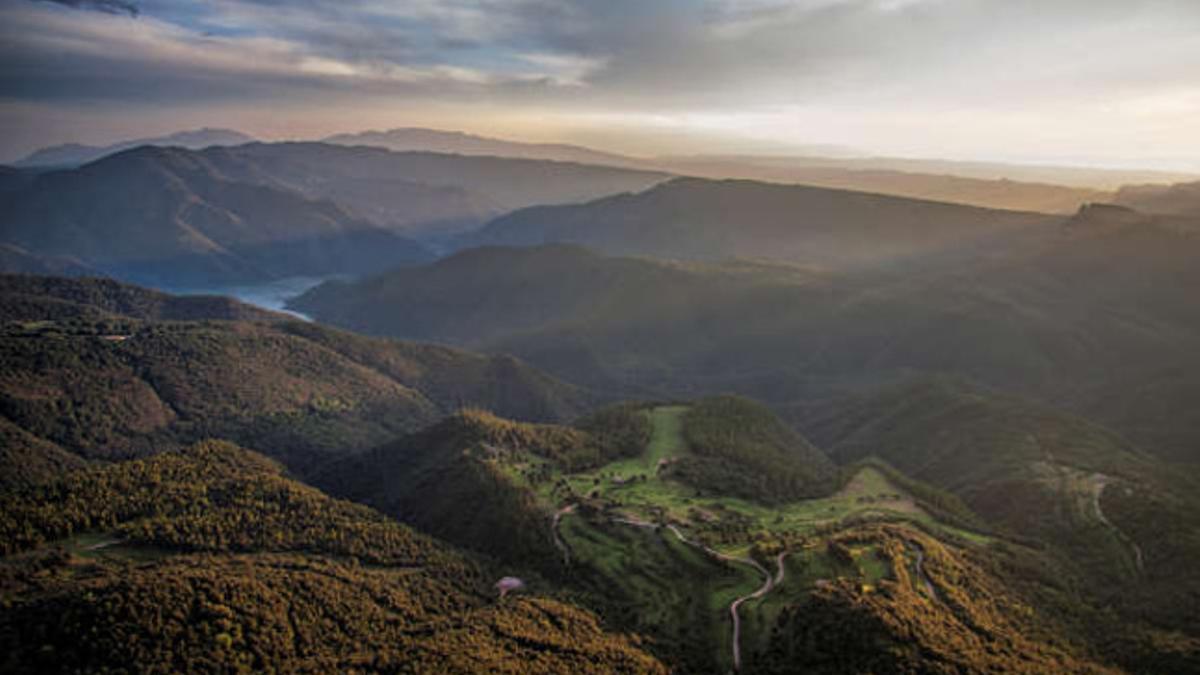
column 635, row 487
column 107, row 545
column 666, row 442
column 662, row 587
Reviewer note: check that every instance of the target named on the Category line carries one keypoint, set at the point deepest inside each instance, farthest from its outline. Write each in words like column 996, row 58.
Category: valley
column 702, row 337
column 708, row 527
column 270, row 295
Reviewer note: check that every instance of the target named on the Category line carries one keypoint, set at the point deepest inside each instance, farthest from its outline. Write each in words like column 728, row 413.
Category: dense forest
column 943, row 615
column 110, row 511
column 741, row 448
column 212, row 559
column 445, row 481
column 90, row 368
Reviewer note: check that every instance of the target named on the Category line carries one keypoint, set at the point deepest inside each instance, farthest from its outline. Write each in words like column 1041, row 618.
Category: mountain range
column 167, row 216
column 76, row 154
column 641, row 518
column 1031, row 306
column 458, row 143
column 690, row 218
column 173, row 217
column 1180, row 199
column 1048, row 189
column 592, row 417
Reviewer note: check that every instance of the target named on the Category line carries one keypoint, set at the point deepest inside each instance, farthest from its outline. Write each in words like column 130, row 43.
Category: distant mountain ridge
column 417, row 139
column 75, row 154
column 174, row 217
column 694, row 218
column 169, row 216
column 422, row 192
column 1180, row 199
column 1085, row 177
column 999, row 186
column 1039, row 311
column 995, row 193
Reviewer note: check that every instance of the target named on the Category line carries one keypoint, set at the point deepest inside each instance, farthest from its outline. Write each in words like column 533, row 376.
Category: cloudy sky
column 1087, row 81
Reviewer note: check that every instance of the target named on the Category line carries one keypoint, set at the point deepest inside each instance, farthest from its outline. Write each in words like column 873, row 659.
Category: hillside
column 691, row 218
column 440, row 480
column 741, row 448
column 259, row 572
column 77, row 154
column 942, row 613
column 1043, row 313
column 737, row 449
column 665, row 519
column 623, row 524
column 1112, row 511
column 1027, row 468
column 169, row 217
column 47, row 298
column 104, row 371
column 524, row 290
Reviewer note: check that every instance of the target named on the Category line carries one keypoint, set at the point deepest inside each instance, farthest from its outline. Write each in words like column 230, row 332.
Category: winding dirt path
column 920, row 567
column 1100, row 481
column 769, row 583
column 558, row 541
column 779, row 563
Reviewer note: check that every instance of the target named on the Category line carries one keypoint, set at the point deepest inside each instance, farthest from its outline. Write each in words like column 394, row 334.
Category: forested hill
column 94, row 369
column 693, row 218
column 49, row 298
column 1043, row 313
column 449, row 479
column 211, row 560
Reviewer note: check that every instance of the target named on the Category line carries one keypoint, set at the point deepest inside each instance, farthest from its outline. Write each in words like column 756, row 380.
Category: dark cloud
column 110, row 6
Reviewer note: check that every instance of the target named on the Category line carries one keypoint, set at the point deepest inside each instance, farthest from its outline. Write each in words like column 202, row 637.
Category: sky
column 1098, row 82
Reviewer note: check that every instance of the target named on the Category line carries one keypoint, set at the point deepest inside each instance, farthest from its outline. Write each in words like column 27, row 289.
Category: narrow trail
column 920, row 567
column 558, row 541
column 769, row 582
column 100, row 545
column 1100, row 481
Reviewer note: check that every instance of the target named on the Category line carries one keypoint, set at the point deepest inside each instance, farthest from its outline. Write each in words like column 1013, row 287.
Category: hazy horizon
column 1099, row 83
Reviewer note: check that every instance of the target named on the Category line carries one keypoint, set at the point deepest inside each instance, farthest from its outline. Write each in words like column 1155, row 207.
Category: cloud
column 110, row 6
column 841, row 71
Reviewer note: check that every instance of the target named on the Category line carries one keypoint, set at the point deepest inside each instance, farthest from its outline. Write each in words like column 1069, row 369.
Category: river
column 272, row 295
